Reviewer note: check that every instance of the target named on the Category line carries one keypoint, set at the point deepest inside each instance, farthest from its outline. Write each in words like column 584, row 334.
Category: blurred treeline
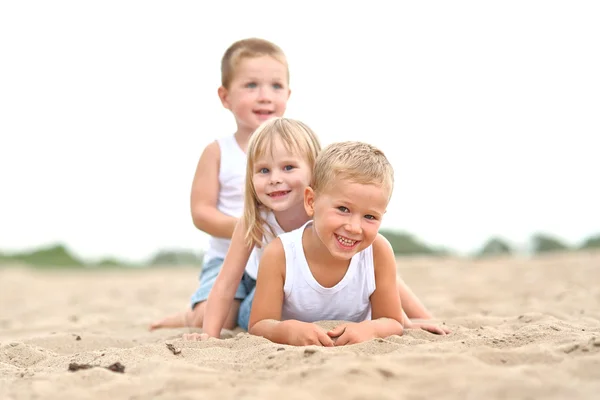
column 403, row 244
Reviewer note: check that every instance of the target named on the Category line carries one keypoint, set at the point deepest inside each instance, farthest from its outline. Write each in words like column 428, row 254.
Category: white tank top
column 255, row 256
column 306, row 300
column 232, row 177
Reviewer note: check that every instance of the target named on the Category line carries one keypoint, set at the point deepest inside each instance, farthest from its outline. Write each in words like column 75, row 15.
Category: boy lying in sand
column 281, row 157
column 336, row 266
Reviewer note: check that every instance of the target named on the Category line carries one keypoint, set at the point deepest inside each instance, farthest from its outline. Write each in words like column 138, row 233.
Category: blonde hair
column 248, row 48
column 354, row 161
column 297, row 138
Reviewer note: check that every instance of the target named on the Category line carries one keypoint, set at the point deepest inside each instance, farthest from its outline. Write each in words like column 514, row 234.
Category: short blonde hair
column 354, row 161
column 248, row 48
column 297, row 138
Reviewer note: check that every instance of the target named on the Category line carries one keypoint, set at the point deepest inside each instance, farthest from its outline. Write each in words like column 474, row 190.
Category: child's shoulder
column 218, row 146
column 382, row 249
column 381, row 243
column 273, row 253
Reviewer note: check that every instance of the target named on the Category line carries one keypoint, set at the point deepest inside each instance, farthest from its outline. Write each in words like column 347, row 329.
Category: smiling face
column 279, row 177
column 258, row 91
column 347, row 215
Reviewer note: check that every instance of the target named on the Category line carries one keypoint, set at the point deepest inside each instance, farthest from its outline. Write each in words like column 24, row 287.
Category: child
column 255, row 88
column 337, row 266
column 281, row 157
column 273, row 147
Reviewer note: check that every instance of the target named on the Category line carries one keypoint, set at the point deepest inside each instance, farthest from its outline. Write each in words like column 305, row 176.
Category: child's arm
column 411, row 304
column 222, row 293
column 268, row 300
column 204, row 196
column 386, row 309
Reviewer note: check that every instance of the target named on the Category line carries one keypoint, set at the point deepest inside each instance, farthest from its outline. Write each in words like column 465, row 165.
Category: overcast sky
column 489, row 111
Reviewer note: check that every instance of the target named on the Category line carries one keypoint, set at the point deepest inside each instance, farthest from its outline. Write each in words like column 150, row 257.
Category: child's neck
column 314, row 250
column 242, row 137
column 292, row 218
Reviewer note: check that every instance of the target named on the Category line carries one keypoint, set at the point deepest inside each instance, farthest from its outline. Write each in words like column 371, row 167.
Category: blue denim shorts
column 244, row 292
column 246, row 306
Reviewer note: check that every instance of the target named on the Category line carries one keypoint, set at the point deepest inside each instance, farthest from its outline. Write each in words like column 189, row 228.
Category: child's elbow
column 199, row 218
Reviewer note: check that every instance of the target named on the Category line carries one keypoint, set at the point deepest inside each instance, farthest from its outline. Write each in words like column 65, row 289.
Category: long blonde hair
column 297, row 138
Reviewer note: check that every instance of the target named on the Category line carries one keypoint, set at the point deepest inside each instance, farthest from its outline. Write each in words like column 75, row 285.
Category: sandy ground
column 522, row 329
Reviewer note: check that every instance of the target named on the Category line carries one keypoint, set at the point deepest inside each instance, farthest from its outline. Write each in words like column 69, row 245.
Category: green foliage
column 593, row 242
column 543, row 243
column 58, row 256
column 495, row 247
column 51, row 256
column 110, row 263
column 405, row 244
column 176, row 257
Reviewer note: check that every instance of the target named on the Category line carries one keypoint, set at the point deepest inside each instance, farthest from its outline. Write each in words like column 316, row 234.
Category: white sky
column 489, row 111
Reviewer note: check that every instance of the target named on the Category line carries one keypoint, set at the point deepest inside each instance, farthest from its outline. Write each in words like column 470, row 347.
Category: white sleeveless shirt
column 232, row 178
column 306, row 300
column 256, row 255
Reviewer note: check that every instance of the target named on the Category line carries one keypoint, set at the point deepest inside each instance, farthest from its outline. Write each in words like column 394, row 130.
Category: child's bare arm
column 268, row 297
column 388, row 316
column 413, row 307
column 204, row 196
column 221, row 295
column 265, row 318
column 386, row 310
column 386, row 307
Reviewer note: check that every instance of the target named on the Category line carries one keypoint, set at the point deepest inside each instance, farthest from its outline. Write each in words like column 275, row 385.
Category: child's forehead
column 351, row 191
column 259, row 66
column 276, row 148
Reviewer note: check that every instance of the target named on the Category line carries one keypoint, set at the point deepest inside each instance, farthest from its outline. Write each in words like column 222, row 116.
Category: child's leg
column 178, row 320
column 194, row 316
column 243, row 318
column 411, row 304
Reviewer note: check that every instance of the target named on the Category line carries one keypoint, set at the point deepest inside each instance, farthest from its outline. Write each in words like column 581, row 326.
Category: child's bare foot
column 179, row 320
column 198, row 337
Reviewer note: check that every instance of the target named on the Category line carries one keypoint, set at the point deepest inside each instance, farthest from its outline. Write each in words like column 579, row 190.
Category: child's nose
column 265, row 94
column 354, row 225
column 275, row 178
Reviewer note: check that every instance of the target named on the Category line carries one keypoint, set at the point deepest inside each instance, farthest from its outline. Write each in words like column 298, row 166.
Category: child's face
column 280, row 177
column 347, row 216
column 259, row 91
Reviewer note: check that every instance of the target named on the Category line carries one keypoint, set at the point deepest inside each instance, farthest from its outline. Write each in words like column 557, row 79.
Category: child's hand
column 306, row 334
column 352, row 333
column 197, row 337
column 438, row 330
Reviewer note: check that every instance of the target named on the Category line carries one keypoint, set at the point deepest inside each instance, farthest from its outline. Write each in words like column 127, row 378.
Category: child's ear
column 309, row 201
column 223, row 93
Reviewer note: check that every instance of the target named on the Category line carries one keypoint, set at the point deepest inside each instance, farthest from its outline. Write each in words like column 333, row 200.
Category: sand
column 522, row 329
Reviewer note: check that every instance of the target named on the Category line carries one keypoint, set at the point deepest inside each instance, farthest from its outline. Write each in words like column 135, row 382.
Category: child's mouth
column 263, row 113
column 345, row 242
column 280, row 193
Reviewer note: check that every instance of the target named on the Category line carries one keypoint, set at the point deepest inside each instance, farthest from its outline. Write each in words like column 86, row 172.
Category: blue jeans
column 246, row 306
column 244, row 292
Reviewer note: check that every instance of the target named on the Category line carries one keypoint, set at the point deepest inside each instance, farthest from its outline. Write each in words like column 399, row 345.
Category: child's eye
column 368, row 216
column 277, row 86
column 343, row 209
column 288, row 167
column 263, row 170
column 251, row 85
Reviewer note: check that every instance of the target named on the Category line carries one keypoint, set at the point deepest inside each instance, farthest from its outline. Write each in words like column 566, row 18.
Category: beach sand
column 521, row 329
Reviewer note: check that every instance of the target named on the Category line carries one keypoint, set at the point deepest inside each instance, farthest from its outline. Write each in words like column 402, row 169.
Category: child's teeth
column 345, row 241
